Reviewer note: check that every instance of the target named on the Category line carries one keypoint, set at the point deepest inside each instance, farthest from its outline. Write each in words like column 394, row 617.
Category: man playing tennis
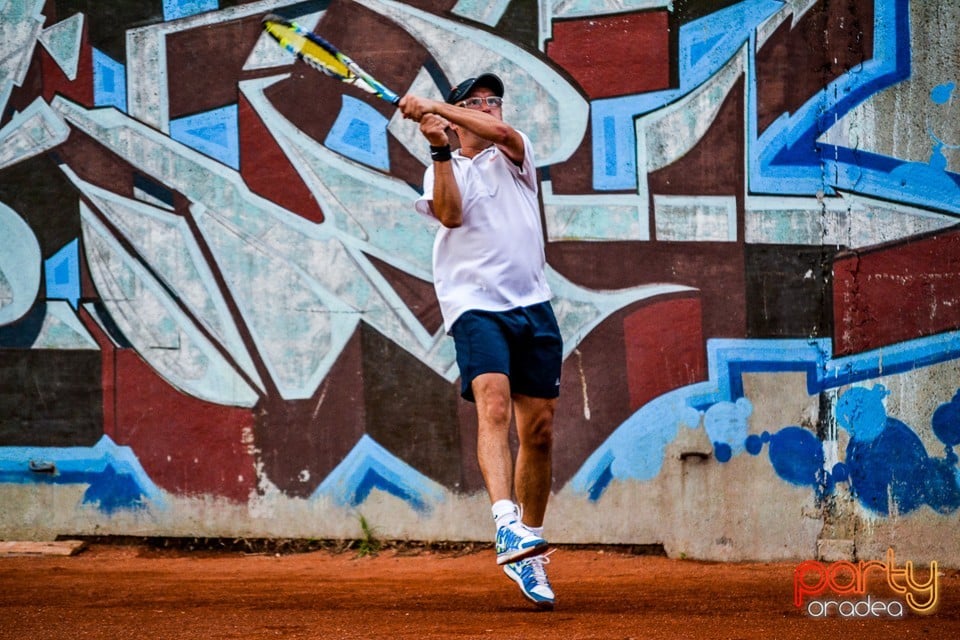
column 488, row 269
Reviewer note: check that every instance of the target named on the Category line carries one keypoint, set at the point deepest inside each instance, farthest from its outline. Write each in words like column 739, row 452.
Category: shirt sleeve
column 527, row 172
column 424, row 204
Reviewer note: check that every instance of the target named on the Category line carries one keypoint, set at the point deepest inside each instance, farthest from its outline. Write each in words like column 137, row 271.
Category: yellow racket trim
column 306, row 49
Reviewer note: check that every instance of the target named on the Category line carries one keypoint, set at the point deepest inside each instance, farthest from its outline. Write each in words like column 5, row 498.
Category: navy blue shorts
column 522, row 343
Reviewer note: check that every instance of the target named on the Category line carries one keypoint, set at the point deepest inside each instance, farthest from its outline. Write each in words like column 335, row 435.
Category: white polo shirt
column 495, row 260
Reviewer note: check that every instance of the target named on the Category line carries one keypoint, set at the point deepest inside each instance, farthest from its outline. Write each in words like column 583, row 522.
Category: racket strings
column 324, row 57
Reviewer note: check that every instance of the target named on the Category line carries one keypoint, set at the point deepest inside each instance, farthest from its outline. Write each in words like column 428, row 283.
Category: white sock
column 504, row 512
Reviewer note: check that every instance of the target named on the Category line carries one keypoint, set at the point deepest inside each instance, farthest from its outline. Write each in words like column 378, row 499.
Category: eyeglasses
column 493, row 102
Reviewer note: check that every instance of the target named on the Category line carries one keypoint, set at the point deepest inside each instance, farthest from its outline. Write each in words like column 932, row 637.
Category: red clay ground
column 139, row 592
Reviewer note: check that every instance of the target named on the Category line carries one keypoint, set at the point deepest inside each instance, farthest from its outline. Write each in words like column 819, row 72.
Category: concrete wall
column 217, row 319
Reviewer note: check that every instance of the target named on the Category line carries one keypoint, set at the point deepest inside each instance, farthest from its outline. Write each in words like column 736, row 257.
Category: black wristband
column 440, row 154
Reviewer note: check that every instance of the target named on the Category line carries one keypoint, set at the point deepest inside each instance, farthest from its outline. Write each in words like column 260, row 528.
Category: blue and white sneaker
column 516, row 542
column 531, row 577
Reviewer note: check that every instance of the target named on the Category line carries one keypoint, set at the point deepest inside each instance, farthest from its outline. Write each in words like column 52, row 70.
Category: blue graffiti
column 797, row 456
column 214, row 133
column 176, row 9
column 360, row 133
column 109, row 82
column 860, row 411
column 887, row 466
column 368, row 467
column 705, row 45
column 941, row 93
column 726, row 426
column 62, row 274
column 891, row 467
column 637, row 448
column 946, row 422
column 373, row 479
column 790, row 155
column 887, row 463
column 113, row 475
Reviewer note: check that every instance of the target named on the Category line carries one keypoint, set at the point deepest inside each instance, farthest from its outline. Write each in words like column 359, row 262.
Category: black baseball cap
column 463, row 89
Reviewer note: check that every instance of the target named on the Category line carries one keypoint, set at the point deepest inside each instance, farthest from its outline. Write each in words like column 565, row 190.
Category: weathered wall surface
column 216, row 315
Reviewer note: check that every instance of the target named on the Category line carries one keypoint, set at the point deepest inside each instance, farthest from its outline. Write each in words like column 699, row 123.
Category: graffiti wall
column 216, row 308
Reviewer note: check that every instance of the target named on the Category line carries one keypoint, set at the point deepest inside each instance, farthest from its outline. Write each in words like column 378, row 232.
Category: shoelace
column 536, row 566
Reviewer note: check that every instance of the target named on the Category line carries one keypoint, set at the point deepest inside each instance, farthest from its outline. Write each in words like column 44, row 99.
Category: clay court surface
column 148, row 593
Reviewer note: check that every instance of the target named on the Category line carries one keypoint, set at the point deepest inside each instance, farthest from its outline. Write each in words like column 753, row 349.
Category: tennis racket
column 323, row 56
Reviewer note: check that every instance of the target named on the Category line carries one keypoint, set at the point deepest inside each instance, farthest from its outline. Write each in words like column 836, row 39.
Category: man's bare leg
column 491, row 393
column 533, row 478
column 534, row 473
column 514, row 542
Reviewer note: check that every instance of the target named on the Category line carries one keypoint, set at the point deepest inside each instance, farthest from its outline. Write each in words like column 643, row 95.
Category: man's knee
column 492, row 397
column 541, row 437
column 537, row 433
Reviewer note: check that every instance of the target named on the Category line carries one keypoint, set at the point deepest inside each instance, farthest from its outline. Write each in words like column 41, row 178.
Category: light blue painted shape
column 941, row 93
column 487, row 12
column 726, row 424
column 369, row 466
column 636, row 449
column 113, row 475
column 20, row 261
column 213, row 133
column 860, row 411
column 109, row 82
column 63, row 329
column 701, row 48
column 62, row 271
column 176, row 9
column 360, row 133
column 30, row 132
column 705, row 45
column 62, row 41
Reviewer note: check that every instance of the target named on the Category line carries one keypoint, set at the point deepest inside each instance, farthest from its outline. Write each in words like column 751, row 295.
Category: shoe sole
column 546, row 605
column 522, row 554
